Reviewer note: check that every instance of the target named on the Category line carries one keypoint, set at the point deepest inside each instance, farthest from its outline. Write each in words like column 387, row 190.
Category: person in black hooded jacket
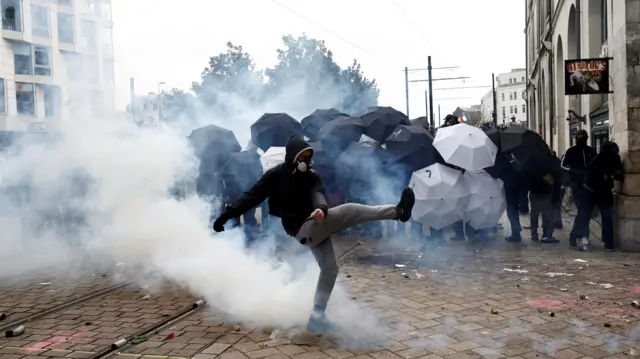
column 296, row 194
column 598, row 183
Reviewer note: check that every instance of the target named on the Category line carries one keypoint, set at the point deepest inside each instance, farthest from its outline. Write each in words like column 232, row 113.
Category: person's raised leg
column 326, row 258
column 351, row 214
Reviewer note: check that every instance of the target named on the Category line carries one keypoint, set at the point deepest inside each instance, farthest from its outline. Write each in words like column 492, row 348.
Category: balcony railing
column 10, row 24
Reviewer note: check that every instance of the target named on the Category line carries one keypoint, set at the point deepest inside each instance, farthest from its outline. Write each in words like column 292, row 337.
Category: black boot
column 405, row 206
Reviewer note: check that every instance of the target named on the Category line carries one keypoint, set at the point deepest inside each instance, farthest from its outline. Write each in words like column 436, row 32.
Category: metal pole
column 426, row 106
column 132, row 90
column 430, row 92
column 439, row 117
column 495, row 100
column 406, row 87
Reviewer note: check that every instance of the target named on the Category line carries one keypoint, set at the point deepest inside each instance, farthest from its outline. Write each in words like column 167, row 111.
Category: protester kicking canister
column 296, row 195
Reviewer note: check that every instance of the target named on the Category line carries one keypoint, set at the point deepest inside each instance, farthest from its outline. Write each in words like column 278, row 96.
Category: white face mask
column 303, row 167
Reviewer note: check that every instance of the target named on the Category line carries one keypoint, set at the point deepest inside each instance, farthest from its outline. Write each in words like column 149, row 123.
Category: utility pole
column 495, row 100
column 406, row 87
column 430, row 92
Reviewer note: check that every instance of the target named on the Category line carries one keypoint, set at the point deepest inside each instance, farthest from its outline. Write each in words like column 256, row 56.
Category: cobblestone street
column 487, row 299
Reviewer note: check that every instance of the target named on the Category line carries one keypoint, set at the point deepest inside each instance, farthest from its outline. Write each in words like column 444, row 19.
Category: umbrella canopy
column 380, row 122
column 323, row 162
column 494, row 135
column 272, row 157
column 312, row 124
column 441, row 196
column 525, row 150
column 274, row 130
column 212, row 145
column 359, row 160
column 339, row 133
column 243, row 168
column 413, row 146
column 465, row 146
column 487, row 202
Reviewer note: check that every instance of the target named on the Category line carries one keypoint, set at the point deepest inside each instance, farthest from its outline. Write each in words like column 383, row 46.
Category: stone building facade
column 557, row 30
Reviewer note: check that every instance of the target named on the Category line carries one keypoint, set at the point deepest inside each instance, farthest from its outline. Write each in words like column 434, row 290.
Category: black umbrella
column 339, row 133
column 360, row 160
column 380, row 122
column 243, row 169
column 213, row 145
column 525, row 150
column 494, row 136
column 312, row 124
column 412, row 146
column 274, row 130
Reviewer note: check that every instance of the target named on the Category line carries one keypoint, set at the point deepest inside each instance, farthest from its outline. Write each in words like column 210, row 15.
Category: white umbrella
column 487, row 203
column 441, row 196
column 273, row 157
column 465, row 146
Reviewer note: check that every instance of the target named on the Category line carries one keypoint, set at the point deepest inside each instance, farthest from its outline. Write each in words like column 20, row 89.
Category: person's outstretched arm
column 252, row 198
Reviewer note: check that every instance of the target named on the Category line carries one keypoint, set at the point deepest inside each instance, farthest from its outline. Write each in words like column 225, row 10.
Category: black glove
column 218, row 224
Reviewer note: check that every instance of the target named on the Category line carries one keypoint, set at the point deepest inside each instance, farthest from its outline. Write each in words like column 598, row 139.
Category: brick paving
column 454, row 300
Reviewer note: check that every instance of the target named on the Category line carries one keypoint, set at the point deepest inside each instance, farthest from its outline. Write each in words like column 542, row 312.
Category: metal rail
column 126, row 342
column 18, row 327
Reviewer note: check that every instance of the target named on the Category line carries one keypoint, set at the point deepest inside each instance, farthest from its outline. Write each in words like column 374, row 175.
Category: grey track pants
column 317, row 235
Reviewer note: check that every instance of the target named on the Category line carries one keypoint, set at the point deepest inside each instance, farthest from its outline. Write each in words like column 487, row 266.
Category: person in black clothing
column 598, row 182
column 575, row 163
column 543, row 194
column 296, row 195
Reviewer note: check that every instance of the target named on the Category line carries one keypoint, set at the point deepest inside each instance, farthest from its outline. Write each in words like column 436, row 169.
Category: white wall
column 510, row 96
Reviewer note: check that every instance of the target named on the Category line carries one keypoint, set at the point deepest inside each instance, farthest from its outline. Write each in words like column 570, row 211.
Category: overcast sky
column 161, row 41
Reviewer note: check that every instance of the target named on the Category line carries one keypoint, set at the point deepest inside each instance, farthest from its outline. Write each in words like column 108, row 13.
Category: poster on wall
column 586, row 76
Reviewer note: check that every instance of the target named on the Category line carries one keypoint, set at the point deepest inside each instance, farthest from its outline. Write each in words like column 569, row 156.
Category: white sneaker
column 584, row 243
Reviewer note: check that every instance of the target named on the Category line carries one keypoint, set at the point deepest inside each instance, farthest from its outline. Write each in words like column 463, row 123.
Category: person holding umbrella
column 575, row 162
column 296, row 194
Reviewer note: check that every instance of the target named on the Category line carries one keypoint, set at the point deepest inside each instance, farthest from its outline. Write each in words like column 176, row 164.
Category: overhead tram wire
column 334, row 34
column 415, row 27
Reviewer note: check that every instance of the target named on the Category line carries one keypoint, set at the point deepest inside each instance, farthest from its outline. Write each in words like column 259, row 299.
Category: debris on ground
column 556, row 274
column 3, row 316
column 522, row 271
column 418, row 275
column 45, row 283
column 552, row 314
column 87, row 323
column 170, row 336
column 146, row 297
column 583, row 297
column 493, row 311
column 607, row 325
column 580, row 260
column 405, row 275
column 635, row 304
column 606, row 285
column 400, row 265
column 564, row 289
column 236, row 328
column 138, row 340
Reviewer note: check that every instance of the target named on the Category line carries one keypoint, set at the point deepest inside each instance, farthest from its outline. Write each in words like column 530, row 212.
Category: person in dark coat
column 542, row 196
column 296, row 194
column 575, row 162
column 598, row 183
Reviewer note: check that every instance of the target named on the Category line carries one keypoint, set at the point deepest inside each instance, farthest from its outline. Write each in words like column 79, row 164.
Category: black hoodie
column 292, row 194
column 603, row 169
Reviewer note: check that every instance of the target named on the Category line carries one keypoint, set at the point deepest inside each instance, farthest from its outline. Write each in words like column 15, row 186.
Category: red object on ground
column 170, row 336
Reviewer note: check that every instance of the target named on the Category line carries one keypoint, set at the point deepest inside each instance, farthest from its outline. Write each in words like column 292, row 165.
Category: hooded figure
column 296, row 194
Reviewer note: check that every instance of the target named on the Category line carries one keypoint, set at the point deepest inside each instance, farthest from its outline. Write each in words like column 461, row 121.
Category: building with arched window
column 559, row 30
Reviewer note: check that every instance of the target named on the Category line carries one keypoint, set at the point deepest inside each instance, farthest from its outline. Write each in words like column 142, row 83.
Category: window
column 510, row 96
column 12, row 15
column 504, row 114
column 26, row 98
column 105, row 10
column 40, row 21
column 42, row 63
column 22, row 58
column 515, row 109
column 89, row 32
column 108, row 72
column 522, row 78
column 66, row 28
column 3, row 97
column 524, row 108
column 52, row 101
column 510, row 109
column 502, row 96
column 510, row 81
column 515, row 95
column 90, row 6
column 65, row 2
column 604, row 21
column 73, row 64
